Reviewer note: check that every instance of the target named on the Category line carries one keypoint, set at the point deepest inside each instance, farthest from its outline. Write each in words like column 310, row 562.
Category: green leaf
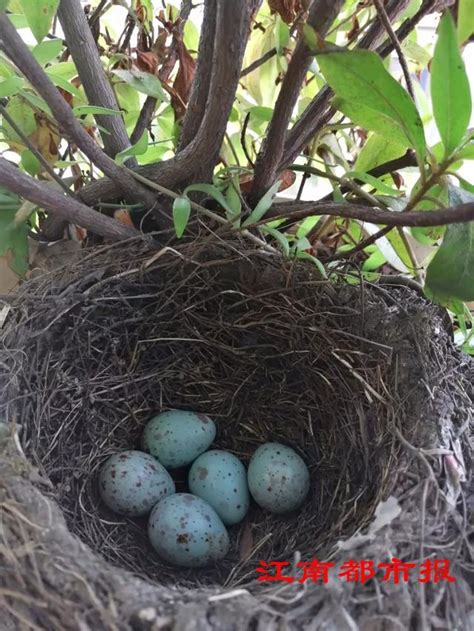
column 450, row 91
column 11, row 86
column 64, row 84
column 233, row 198
column 142, row 82
column 372, row 181
column 282, row 35
column 24, row 117
column 212, row 191
column 377, row 150
column 450, row 275
column 47, row 50
column 39, row 14
column 181, row 212
column 138, row 149
column 3, row 4
column 280, row 237
column 371, row 97
column 465, row 20
column 30, row 162
column 263, row 205
column 84, row 110
column 14, row 240
column 301, row 254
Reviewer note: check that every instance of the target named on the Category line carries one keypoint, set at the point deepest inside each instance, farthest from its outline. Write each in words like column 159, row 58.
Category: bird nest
column 362, row 380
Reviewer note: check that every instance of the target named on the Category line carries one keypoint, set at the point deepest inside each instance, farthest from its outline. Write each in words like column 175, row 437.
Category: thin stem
column 396, row 44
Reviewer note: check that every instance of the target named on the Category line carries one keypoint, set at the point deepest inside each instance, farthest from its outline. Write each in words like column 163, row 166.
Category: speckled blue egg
column 221, row 479
column 176, row 438
column 278, row 478
column 132, row 482
column 186, row 531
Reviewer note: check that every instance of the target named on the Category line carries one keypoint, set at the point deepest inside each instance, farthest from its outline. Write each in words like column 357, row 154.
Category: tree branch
column 81, row 44
column 321, row 15
column 60, row 205
column 17, row 51
column 231, row 33
column 202, row 78
column 296, row 211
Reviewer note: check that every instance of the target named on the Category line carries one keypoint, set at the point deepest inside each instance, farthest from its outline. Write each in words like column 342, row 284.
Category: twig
column 396, row 44
column 258, row 62
column 44, row 163
column 58, row 204
column 321, row 15
column 17, row 51
column 83, row 48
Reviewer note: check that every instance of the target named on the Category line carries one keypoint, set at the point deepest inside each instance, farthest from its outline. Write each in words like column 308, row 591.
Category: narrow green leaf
column 263, row 205
column 450, row 275
column 212, row 191
column 280, row 237
column 143, row 82
column 138, row 149
column 301, row 254
column 233, row 198
column 39, row 14
column 47, row 50
column 371, row 97
column 84, row 110
column 65, row 85
column 373, row 181
column 450, row 91
column 11, row 86
column 181, row 212
column 14, row 241
column 465, row 20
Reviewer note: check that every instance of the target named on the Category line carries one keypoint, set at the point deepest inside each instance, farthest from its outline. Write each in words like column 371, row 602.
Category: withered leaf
column 183, row 81
column 287, row 9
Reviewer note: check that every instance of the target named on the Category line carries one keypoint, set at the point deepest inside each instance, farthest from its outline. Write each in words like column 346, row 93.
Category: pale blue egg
column 278, row 478
column 176, row 437
column 132, row 482
column 186, row 531
column 221, row 479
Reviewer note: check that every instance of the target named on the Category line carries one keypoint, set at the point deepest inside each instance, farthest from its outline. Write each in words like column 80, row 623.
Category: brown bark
column 60, row 205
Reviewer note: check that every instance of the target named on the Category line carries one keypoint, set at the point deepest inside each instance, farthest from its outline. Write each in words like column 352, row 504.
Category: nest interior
column 346, row 375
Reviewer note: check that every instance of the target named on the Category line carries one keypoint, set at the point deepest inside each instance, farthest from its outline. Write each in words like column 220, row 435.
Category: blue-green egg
column 176, row 437
column 186, row 531
column 278, row 478
column 221, row 479
column 132, row 482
